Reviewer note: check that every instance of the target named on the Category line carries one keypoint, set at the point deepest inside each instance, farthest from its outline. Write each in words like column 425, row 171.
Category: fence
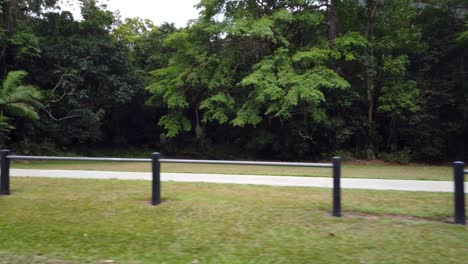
column 458, row 168
column 156, row 161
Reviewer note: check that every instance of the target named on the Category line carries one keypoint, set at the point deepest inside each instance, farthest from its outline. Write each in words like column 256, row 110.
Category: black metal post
column 5, row 172
column 336, row 186
column 459, row 178
column 156, row 168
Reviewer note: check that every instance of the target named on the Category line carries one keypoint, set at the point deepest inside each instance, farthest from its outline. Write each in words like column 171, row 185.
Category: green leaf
column 350, row 45
column 217, row 108
column 313, row 56
column 262, row 28
column 175, row 123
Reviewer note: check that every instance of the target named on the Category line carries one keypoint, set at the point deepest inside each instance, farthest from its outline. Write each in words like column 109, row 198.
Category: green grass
column 436, row 173
column 63, row 220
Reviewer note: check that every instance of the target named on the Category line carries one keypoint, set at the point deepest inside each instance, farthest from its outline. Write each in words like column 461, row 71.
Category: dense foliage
column 265, row 79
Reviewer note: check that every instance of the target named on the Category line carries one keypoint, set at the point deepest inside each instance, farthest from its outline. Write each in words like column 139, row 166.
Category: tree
column 17, row 39
column 264, row 62
column 392, row 40
column 131, row 30
column 86, row 74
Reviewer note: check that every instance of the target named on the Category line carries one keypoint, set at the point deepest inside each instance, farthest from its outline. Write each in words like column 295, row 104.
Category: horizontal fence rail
column 219, row 162
column 257, row 163
column 14, row 157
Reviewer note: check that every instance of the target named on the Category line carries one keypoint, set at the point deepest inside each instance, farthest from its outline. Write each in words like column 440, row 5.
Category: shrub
column 345, row 155
column 399, row 157
column 26, row 147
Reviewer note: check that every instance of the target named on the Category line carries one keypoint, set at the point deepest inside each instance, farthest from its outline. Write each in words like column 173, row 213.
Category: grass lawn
column 79, row 221
column 435, row 173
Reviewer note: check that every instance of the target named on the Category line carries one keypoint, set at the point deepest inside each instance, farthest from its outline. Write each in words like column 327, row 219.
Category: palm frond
column 22, row 110
column 18, row 99
column 12, row 80
column 5, row 126
column 23, row 94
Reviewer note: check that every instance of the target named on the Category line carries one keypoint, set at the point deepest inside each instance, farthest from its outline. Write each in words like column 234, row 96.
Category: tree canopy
column 290, row 79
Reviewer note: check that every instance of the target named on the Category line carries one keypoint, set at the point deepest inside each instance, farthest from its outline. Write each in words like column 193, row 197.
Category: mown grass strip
column 92, row 220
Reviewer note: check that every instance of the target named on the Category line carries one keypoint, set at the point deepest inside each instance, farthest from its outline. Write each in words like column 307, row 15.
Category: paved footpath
column 346, row 183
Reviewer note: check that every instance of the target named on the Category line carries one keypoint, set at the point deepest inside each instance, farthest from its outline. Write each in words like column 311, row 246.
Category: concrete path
column 347, row 183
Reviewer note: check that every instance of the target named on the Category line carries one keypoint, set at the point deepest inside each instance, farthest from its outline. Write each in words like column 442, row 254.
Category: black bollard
column 337, row 187
column 156, row 168
column 5, row 172
column 459, row 179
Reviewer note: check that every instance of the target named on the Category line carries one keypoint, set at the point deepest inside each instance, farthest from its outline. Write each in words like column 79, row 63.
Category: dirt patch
column 13, row 259
column 398, row 218
column 378, row 162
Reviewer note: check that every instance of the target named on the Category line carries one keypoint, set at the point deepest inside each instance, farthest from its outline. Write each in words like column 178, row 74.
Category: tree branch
column 62, row 97
column 59, row 119
column 306, row 137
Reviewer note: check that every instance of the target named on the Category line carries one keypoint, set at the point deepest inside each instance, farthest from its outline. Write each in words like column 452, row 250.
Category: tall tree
column 265, row 62
column 17, row 39
column 87, row 74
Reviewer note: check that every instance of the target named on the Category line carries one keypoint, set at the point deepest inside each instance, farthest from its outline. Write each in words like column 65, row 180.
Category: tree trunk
column 370, row 97
column 332, row 21
column 9, row 12
column 370, row 78
column 369, row 34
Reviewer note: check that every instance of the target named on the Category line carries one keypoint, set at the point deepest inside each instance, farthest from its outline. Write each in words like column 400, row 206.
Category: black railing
column 6, row 158
column 156, row 161
column 15, row 157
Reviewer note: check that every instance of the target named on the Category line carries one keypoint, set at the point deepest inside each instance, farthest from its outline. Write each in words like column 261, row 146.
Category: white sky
column 177, row 11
